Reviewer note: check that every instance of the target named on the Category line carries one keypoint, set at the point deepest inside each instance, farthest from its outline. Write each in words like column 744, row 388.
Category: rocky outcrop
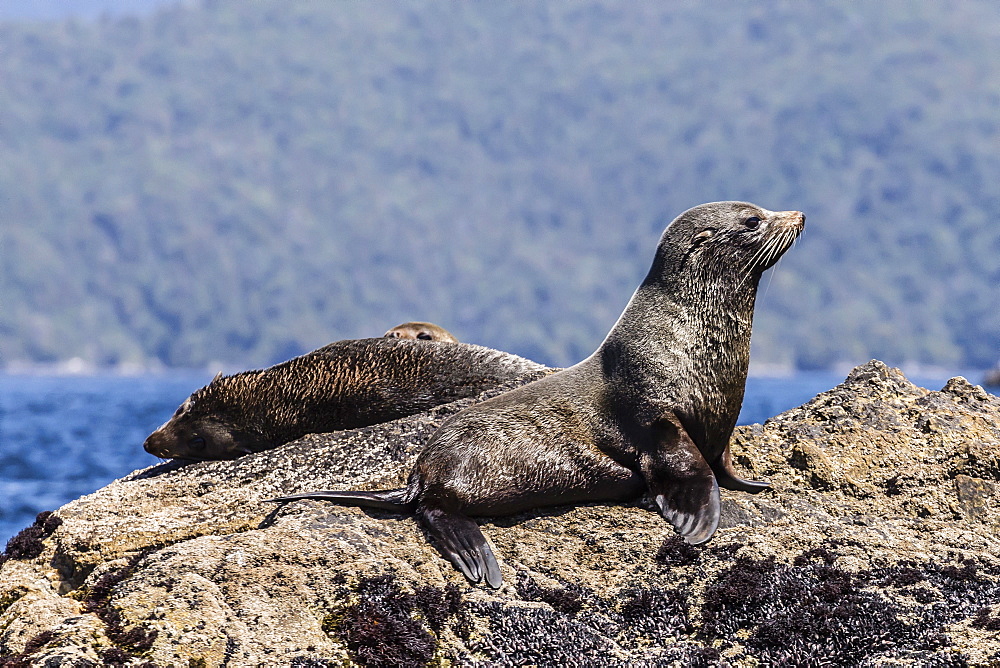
column 878, row 545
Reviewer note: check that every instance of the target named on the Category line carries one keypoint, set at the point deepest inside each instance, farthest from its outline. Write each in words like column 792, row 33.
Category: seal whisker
column 770, row 278
column 772, row 246
column 757, row 259
column 777, row 247
column 748, row 269
column 787, row 239
column 774, row 249
column 762, row 252
column 767, row 286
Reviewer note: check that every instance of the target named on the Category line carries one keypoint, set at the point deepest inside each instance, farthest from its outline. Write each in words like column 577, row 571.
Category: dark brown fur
column 652, row 410
column 343, row 385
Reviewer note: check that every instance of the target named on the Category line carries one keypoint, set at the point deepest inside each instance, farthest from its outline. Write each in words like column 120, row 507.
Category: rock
column 878, row 544
column 975, row 496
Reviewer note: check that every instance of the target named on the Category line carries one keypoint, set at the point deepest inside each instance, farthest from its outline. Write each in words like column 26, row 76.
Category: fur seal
column 423, row 331
column 652, row 410
column 343, row 385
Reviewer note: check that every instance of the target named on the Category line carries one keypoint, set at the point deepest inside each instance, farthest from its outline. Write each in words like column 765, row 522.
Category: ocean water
column 65, row 436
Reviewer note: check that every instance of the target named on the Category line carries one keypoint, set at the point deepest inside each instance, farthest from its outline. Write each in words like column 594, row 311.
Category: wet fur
column 344, row 385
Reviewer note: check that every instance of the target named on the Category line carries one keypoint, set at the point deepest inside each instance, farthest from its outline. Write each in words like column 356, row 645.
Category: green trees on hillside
column 238, row 182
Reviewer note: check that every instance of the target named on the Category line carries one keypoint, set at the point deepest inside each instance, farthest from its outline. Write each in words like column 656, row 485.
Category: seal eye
column 753, row 222
column 424, row 336
column 197, row 443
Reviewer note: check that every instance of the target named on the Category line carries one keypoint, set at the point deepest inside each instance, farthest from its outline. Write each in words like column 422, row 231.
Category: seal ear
column 681, row 481
column 704, row 235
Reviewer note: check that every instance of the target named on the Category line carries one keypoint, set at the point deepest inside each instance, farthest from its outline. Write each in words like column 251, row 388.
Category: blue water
column 62, row 437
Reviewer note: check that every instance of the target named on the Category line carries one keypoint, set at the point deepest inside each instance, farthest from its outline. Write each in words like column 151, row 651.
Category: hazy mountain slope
column 244, row 181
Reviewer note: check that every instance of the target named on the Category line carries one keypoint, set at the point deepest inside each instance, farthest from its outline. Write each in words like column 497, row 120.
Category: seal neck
column 686, row 312
column 684, row 344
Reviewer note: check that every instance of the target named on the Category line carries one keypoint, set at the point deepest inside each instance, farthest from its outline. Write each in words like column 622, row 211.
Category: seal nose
column 795, row 219
column 155, row 444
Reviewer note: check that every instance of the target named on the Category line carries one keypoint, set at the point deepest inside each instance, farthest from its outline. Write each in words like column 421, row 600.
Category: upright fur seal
column 652, row 410
column 343, row 385
column 423, row 331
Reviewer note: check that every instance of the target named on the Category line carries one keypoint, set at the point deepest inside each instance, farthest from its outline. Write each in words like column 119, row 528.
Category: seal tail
column 389, row 499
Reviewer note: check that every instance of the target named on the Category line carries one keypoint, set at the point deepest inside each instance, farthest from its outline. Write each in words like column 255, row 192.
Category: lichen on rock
column 877, row 543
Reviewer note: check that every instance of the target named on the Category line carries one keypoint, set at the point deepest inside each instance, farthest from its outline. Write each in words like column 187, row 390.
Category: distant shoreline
column 79, row 368
column 82, row 368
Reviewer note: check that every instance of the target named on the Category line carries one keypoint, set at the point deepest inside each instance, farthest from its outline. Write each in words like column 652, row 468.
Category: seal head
column 422, row 331
column 216, row 422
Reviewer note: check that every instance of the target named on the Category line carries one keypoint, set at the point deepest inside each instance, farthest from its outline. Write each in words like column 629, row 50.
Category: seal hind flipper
column 681, row 482
column 462, row 542
column 727, row 478
column 390, row 499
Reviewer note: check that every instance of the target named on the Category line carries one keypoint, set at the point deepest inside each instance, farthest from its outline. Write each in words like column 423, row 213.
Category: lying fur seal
column 343, row 385
column 652, row 410
column 423, row 331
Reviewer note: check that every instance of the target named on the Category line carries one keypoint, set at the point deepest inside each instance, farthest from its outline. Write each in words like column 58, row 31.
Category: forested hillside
column 237, row 182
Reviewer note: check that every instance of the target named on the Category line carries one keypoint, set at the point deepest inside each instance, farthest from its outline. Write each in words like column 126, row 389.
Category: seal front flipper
column 462, row 542
column 390, row 499
column 681, row 482
column 727, row 478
